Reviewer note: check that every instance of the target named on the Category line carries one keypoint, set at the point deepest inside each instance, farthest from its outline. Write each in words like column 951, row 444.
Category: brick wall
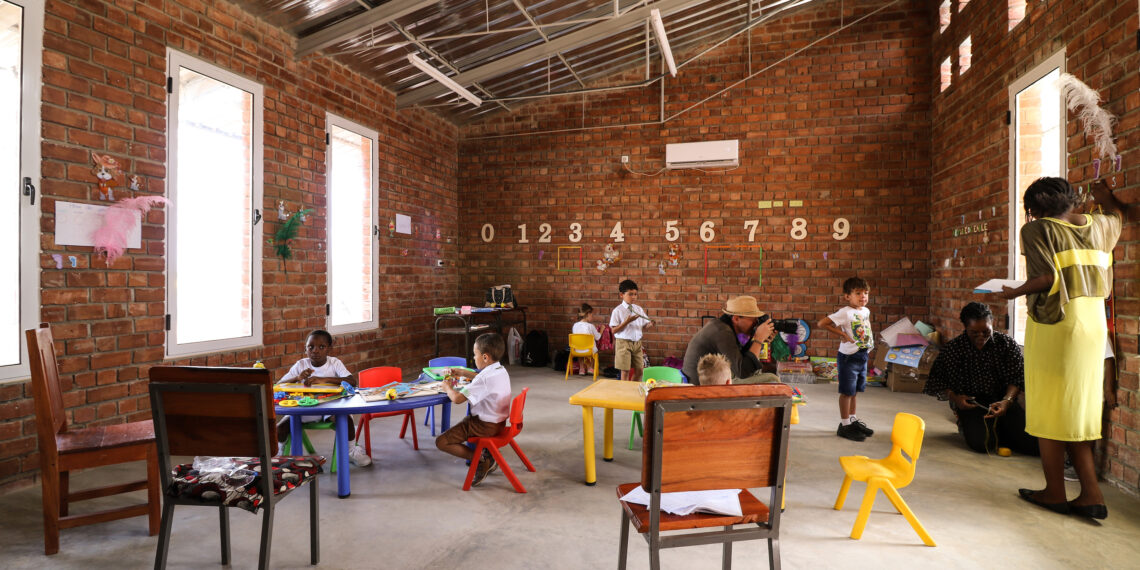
column 841, row 126
column 970, row 141
column 104, row 75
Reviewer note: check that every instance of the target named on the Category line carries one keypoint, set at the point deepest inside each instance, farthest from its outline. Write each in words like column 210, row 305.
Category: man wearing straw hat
column 741, row 315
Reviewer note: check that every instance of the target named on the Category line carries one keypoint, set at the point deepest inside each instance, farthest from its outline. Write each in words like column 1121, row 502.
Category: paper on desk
column 719, row 501
column 995, row 285
column 903, row 326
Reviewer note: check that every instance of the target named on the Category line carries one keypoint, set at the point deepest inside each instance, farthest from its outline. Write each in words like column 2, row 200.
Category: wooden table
column 609, row 395
column 476, row 323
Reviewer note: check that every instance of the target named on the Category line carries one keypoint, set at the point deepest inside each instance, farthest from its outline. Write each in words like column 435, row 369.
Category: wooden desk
column 475, row 324
column 609, row 395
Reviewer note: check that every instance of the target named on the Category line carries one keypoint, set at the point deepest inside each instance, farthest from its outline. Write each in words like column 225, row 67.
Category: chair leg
column 153, row 490
column 224, row 526
column 64, row 492
column 506, row 469
column 623, row 546
column 569, row 364
column 726, row 552
column 308, row 444
column 410, row 419
column 901, row 506
column 525, row 460
column 635, row 424
column 654, row 556
column 50, row 482
column 314, row 524
column 774, row 553
column 865, row 509
column 164, row 535
column 843, row 489
column 404, row 426
column 266, row 536
column 595, row 366
column 474, row 465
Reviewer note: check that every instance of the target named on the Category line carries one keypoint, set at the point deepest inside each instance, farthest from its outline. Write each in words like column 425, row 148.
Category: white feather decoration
column 1096, row 122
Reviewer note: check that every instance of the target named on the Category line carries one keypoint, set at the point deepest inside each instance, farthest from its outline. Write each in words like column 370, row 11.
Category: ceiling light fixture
column 445, row 80
column 659, row 31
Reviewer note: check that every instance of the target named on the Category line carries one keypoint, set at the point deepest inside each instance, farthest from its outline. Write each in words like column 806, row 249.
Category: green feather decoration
column 287, row 232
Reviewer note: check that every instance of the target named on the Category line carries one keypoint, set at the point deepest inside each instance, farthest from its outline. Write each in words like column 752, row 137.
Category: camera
column 786, row 326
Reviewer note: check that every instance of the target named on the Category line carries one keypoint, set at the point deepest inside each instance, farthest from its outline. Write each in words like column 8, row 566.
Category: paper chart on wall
column 403, row 224
column 75, row 224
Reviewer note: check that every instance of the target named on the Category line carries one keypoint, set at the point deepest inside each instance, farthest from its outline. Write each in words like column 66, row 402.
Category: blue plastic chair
column 458, row 361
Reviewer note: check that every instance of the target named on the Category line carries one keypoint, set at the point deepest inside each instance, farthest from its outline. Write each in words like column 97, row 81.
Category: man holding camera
column 741, row 316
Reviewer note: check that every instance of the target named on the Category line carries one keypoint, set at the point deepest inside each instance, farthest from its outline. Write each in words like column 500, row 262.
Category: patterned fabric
column 1078, row 257
column 984, row 373
column 217, row 488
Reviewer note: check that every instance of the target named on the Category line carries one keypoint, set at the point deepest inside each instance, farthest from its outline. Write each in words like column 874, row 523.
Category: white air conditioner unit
column 711, row 154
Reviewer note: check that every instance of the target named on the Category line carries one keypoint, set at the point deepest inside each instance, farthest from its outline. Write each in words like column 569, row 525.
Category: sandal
column 1061, row 508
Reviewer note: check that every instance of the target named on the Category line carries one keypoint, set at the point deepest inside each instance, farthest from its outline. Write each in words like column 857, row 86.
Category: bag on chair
column 606, row 342
column 500, row 296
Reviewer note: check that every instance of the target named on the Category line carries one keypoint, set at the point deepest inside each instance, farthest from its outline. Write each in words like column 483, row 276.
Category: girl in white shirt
column 584, row 326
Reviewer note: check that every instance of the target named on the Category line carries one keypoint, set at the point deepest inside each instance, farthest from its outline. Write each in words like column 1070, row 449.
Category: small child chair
column 889, row 474
column 506, row 436
column 374, row 378
column 582, row 346
column 660, row 374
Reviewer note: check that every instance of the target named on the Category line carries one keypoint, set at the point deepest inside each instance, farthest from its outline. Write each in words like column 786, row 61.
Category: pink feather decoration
column 118, row 220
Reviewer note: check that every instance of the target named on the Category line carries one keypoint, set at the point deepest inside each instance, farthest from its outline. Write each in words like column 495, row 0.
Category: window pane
column 213, row 209
column 1037, row 148
column 350, row 227
column 11, row 41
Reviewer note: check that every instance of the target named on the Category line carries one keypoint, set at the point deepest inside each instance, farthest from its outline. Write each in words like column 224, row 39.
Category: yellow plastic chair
column 889, row 474
column 582, row 346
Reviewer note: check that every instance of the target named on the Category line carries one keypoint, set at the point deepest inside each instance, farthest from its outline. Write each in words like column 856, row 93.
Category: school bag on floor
column 536, row 349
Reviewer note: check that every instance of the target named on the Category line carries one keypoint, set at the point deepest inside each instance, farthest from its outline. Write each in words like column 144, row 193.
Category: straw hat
column 743, row 306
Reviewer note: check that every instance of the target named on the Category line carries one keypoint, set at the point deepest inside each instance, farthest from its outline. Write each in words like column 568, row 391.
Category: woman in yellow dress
column 1068, row 257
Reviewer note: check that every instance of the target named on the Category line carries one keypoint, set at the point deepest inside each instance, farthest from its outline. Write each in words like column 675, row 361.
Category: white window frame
column 174, row 61
column 332, row 120
column 32, row 32
column 1055, row 61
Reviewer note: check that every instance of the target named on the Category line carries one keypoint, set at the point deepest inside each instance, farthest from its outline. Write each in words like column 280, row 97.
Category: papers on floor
column 720, row 501
column 995, row 285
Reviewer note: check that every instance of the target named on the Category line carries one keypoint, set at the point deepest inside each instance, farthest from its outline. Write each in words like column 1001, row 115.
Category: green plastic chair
column 658, row 373
column 286, row 449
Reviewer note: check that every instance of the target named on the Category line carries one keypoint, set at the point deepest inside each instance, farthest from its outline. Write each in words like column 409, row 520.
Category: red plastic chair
column 506, row 436
column 374, row 378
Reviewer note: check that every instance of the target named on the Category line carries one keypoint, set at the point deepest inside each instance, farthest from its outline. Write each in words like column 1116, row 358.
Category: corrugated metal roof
column 506, row 50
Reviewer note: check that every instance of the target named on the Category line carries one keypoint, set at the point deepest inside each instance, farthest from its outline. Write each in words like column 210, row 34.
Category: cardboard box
column 911, row 379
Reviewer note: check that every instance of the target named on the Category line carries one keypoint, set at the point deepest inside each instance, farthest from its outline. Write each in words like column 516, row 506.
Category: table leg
column 445, row 419
column 296, row 436
column 588, row 443
column 608, row 450
column 343, row 487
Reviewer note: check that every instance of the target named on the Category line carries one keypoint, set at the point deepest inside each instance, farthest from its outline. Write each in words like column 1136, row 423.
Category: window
column 352, row 203
column 943, row 16
column 964, row 55
column 21, row 48
column 215, row 238
column 945, row 71
column 1016, row 12
column 1037, row 136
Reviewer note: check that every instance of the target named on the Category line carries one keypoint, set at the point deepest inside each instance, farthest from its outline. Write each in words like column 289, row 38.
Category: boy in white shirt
column 490, row 396
column 853, row 324
column 628, row 321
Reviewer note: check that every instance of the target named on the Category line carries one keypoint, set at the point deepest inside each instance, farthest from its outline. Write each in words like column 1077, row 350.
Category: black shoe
column 863, row 428
column 851, row 432
column 1059, row 508
column 1098, row 512
column 488, row 457
column 481, row 471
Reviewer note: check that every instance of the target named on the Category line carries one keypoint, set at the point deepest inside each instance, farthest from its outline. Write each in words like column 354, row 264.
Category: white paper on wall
column 403, row 224
column 76, row 223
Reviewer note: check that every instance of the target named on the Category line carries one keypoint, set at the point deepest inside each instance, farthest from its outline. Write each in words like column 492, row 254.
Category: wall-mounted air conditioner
column 711, row 154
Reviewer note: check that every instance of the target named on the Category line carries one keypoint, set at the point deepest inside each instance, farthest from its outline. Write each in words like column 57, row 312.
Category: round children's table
column 340, row 410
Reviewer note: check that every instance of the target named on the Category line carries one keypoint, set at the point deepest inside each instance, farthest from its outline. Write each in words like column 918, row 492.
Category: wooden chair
column 63, row 450
column 715, row 437
column 225, row 412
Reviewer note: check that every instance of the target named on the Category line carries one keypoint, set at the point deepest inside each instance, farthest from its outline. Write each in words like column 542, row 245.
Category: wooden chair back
column 715, row 437
column 46, row 389
column 202, row 417
column 380, row 375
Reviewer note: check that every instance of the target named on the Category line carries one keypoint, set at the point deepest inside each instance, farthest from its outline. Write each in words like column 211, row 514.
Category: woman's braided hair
column 1050, row 197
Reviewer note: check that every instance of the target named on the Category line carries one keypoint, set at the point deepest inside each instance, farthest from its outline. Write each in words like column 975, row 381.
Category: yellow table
column 609, row 395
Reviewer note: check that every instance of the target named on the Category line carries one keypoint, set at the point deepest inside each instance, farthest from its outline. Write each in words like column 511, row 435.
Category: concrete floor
column 407, row 510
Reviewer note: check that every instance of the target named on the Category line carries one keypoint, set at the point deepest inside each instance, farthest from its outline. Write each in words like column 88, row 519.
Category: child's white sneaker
column 359, row 457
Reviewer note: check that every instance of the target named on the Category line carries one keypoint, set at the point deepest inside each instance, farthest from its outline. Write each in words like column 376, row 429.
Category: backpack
column 560, row 359
column 606, row 342
column 536, row 349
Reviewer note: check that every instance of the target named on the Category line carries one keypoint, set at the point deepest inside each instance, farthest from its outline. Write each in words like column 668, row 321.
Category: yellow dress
column 1067, row 330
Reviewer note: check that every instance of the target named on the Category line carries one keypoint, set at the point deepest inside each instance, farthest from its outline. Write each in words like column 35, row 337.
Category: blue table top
column 357, row 405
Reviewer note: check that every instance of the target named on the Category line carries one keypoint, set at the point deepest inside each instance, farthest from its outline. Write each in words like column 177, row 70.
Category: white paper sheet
column 995, row 285
column 403, row 224
column 75, row 224
column 903, row 326
column 719, row 501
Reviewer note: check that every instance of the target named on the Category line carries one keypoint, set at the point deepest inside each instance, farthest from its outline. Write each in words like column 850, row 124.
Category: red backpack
column 607, row 340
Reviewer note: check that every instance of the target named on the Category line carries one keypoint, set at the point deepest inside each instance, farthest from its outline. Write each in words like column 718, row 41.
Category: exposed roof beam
column 546, row 38
column 434, row 54
column 353, row 26
column 542, row 51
